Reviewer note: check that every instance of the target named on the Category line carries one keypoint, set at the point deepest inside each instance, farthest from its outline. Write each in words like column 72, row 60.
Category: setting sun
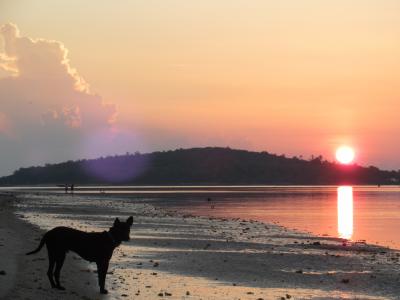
column 345, row 154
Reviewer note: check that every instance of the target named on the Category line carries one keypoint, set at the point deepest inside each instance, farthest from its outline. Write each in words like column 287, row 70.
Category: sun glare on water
column 345, row 211
column 345, row 154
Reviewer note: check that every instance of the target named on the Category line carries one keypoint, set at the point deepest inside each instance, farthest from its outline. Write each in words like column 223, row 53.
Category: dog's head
column 121, row 230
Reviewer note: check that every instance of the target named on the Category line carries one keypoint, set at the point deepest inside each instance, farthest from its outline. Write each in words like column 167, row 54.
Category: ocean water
column 359, row 213
column 370, row 214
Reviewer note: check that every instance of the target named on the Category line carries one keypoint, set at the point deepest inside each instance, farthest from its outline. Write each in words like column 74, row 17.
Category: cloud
column 47, row 109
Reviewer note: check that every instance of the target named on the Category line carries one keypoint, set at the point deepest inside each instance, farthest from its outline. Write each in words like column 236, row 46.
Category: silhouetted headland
column 202, row 166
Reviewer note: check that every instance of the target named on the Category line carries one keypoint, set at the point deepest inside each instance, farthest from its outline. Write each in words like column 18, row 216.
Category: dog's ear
column 116, row 222
column 130, row 221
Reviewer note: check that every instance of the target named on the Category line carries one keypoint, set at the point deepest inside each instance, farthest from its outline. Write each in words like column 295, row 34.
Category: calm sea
column 356, row 213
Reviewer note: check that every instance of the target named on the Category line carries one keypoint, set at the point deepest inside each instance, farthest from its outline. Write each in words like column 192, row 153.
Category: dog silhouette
column 95, row 247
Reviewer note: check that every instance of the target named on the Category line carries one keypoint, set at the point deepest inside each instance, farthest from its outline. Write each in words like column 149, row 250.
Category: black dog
column 95, row 247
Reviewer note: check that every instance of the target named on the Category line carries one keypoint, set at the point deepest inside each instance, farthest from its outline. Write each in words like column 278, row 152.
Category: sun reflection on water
column 345, row 211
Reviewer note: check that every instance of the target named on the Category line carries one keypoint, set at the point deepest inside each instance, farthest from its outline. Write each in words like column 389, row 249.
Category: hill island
column 202, row 166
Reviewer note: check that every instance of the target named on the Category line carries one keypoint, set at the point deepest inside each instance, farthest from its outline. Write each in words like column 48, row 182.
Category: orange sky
column 297, row 77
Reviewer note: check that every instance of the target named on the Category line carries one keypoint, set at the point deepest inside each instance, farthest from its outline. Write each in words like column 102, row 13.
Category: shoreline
column 316, row 211
column 211, row 258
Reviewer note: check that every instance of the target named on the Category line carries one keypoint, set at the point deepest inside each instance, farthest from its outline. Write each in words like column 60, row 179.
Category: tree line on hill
column 201, row 166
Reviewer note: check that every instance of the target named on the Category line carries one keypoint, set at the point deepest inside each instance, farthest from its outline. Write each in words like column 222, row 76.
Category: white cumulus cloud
column 47, row 110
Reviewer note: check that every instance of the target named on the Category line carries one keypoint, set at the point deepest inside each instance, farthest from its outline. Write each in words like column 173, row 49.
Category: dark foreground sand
column 172, row 256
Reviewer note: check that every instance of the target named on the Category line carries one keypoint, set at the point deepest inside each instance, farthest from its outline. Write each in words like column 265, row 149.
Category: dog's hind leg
column 102, row 268
column 59, row 263
column 52, row 261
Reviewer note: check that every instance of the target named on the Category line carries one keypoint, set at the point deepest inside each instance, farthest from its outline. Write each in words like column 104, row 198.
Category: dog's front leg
column 102, row 268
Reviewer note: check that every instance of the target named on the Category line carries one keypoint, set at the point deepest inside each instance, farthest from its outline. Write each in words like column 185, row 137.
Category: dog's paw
column 61, row 288
column 103, row 291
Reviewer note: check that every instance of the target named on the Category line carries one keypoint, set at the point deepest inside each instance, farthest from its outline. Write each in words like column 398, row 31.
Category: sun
column 345, row 154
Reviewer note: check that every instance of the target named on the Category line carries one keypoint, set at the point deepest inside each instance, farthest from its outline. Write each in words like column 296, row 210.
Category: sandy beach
column 176, row 256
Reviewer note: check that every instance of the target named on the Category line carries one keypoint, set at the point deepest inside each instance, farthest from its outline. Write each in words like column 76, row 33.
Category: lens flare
column 113, row 169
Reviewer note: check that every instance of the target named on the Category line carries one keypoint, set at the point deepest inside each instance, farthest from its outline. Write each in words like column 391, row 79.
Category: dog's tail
column 42, row 242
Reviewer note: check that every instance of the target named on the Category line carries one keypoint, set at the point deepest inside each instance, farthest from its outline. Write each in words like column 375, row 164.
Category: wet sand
column 25, row 276
column 175, row 256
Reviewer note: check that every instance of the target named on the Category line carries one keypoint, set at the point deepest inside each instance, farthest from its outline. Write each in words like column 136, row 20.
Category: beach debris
column 156, row 264
column 124, row 295
column 299, row 271
column 2, row 272
column 167, row 294
column 317, row 243
column 288, row 296
column 345, row 280
column 250, row 293
column 187, row 293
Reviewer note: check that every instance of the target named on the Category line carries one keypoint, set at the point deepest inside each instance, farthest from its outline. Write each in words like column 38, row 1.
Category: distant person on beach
column 72, row 188
column 66, row 188
column 209, row 200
